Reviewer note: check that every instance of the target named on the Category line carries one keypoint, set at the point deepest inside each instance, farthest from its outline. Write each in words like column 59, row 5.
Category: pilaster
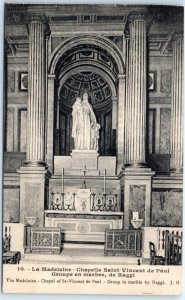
column 177, row 106
column 121, row 121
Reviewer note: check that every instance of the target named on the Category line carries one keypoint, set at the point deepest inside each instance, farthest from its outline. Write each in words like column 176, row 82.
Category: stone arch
column 93, row 68
column 100, row 41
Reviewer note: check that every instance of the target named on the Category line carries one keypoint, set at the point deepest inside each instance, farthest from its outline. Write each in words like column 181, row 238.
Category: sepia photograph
column 93, row 149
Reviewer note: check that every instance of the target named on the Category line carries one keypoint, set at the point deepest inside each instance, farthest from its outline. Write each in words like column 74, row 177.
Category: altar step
column 82, row 245
column 79, row 255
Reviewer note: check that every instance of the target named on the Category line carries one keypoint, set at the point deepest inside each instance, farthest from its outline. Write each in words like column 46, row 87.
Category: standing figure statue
column 89, row 121
column 77, row 129
column 85, row 130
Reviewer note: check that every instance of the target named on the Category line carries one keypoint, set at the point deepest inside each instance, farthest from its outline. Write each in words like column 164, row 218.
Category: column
column 136, row 178
column 127, row 42
column 136, row 91
column 177, row 106
column 50, row 125
column 34, row 175
column 121, row 122
column 36, row 94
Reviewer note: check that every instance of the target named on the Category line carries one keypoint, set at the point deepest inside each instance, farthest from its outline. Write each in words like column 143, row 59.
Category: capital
column 42, row 19
column 138, row 16
column 177, row 36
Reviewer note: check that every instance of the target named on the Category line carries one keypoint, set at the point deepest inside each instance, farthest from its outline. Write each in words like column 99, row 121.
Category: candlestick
column 104, row 182
column 62, row 180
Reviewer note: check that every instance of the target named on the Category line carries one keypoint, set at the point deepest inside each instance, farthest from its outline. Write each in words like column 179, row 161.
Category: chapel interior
column 126, row 193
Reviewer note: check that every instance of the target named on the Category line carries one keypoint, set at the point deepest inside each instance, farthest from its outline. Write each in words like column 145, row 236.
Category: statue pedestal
column 82, row 158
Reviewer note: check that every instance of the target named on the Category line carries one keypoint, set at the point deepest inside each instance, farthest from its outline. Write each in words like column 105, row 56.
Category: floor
column 77, row 255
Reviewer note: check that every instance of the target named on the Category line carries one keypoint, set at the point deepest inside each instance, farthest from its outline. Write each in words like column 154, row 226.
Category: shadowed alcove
column 90, row 69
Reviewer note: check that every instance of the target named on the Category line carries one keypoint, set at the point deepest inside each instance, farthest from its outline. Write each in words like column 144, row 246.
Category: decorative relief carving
column 125, row 242
column 83, row 227
column 44, row 240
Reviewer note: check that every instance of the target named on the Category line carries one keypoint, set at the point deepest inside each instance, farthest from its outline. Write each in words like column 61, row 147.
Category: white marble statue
column 85, row 130
column 77, row 129
column 95, row 136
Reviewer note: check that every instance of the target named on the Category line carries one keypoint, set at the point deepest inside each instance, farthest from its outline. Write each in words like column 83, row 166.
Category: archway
column 98, row 56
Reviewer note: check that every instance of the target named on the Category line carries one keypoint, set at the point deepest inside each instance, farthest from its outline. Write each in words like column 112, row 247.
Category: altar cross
column 84, row 172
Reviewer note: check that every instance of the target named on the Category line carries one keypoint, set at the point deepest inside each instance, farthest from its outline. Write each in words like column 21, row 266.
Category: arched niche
column 100, row 96
column 58, row 73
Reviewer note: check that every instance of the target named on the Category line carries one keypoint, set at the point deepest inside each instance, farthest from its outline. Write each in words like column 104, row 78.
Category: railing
column 156, row 235
column 173, row 248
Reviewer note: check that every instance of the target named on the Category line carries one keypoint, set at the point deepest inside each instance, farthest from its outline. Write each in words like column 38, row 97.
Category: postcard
column 93, row 149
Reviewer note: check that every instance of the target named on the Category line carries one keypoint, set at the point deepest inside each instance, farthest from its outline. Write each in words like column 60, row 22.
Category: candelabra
column 104, row 202
column 59, row 203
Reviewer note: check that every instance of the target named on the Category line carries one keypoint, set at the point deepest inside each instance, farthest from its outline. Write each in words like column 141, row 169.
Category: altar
column 83, row 227
column 84, row 216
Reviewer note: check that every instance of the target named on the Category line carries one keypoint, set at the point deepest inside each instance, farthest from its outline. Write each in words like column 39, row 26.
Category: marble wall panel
column 165, row 120
column 22, row 128
column 166, row 81
column 32, row 201
column 10, row 130
column 11, row 204
column 151, row 131
column 137, row 200
column 167, row 207
column 11, row 81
